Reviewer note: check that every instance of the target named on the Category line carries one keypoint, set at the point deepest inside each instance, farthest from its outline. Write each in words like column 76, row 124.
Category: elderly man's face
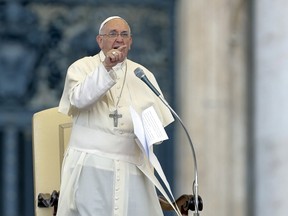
column 114, row 34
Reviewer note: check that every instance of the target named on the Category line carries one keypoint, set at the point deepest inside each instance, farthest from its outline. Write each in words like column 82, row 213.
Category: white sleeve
column 92, row 88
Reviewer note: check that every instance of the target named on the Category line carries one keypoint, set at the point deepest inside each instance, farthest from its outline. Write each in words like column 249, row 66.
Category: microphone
column 140, row 74
column 196, row 203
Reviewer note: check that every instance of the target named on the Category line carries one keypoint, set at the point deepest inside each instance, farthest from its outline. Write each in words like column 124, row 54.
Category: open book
column 148, row 128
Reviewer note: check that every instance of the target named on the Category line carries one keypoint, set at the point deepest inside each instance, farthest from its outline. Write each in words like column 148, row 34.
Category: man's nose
column 119, row 37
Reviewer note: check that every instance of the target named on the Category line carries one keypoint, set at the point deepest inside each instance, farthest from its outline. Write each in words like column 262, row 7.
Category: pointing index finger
column 122, row 48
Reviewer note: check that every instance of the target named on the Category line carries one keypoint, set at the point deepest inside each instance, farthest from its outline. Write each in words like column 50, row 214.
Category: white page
column 153, row 127
column 149, row 129
column 139, row 130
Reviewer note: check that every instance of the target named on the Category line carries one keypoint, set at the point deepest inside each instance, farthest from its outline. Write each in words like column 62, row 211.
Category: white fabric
column 107, row 20
column 97, row 178
column 105, row 188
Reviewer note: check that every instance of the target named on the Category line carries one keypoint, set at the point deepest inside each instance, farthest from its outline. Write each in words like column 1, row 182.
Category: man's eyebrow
column 114, row 30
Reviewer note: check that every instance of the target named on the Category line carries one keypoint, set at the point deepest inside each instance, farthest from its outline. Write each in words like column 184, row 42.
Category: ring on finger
column 113, row 53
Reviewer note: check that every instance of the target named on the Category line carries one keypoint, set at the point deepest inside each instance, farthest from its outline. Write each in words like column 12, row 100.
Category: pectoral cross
column 115, row 117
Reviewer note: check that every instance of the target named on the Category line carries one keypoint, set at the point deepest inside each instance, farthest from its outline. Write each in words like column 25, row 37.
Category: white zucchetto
column 107, row 20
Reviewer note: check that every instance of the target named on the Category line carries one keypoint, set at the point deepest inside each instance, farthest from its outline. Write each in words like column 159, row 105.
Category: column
column 211, row 97
column 271, row 107
column 10, row 172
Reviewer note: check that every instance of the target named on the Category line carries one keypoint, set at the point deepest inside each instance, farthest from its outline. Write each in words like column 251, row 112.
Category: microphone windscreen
column 139, row 72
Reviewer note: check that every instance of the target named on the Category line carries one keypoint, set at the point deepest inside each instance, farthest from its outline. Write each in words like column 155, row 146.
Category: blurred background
column 222, row 65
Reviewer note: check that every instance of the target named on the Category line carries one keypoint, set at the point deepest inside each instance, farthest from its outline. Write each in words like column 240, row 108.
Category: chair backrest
column 51, row 132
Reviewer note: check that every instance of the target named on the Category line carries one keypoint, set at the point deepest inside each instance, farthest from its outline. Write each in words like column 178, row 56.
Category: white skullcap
column 107, row 20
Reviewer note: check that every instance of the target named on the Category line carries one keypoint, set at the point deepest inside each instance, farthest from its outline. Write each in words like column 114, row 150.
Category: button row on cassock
column 117, row 189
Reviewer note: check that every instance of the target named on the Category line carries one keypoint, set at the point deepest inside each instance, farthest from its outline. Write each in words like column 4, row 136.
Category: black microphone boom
column 140, row 74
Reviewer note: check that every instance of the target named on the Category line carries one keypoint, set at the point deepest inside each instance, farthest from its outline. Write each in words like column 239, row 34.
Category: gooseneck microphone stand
column 195, row 203
column 195, row 183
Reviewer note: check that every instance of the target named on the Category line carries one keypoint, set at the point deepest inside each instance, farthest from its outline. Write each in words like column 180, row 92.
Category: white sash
column 104, row 144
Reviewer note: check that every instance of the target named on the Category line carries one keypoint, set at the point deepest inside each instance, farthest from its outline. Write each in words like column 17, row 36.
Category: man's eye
column 113, row 34
column 124, row 34
column 116, row 34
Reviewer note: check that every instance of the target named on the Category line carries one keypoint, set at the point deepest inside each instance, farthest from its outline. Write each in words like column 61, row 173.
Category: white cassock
column 104, row 172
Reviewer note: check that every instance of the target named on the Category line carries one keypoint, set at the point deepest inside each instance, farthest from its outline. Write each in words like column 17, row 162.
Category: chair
column 51, row 131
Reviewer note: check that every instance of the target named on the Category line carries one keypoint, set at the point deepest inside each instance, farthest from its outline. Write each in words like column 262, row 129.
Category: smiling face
column 107, row 41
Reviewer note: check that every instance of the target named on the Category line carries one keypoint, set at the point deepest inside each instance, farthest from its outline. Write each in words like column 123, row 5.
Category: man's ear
column 130, row 43
column 99, row 41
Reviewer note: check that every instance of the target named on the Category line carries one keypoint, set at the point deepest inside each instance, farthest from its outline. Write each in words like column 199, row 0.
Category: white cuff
column 111, row 72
